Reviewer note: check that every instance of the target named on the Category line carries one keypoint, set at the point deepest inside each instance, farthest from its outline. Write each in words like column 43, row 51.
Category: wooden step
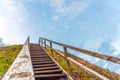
column 41, row 58
column 46, row 65
column 56, row 71
column 45, row 62
column 37, row 50
column 46, row 68
column 32, row 53
column 43, row 66
column 38, row 55
column 35, row 56
column 43, row 76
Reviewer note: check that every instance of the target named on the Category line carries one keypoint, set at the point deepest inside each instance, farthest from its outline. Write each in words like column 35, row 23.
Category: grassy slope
column 79, row 73
column 7, row 56
column 105, row 72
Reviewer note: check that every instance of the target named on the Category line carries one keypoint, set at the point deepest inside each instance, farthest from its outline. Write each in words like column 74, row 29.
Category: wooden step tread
column 46, row 68
column 37, row 53
column 37, row 56
column 56, row 71
column 43, row 66
column 50, row 75
column 45, row 62
column 46, row 65
column 42, row 58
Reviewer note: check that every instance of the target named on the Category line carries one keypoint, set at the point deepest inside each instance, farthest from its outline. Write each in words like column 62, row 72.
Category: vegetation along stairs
column 42, row 66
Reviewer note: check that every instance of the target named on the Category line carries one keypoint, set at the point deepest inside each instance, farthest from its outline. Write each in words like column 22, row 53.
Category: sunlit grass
column 105, row 72
column 77, row 72
column 80, row 74
column 7, row 56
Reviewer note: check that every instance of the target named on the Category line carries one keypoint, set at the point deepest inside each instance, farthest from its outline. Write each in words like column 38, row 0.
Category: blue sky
column 72, row 22
column 88, row 24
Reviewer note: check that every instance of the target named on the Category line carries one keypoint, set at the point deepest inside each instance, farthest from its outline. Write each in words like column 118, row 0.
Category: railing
column 27, row 42
column 43, row 41
column 94, row 54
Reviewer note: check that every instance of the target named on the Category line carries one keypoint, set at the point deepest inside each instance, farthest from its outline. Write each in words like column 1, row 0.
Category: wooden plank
column 94, row 54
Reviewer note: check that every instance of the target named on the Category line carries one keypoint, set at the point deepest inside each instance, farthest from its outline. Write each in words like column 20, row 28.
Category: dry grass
column 7, row 56
column 80, row 74
column 77, row 72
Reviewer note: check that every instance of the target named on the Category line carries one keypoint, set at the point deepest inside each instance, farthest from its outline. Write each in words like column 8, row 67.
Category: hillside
column 1, row 42
column 80, row 74
column 9, row 53
column 7, row 56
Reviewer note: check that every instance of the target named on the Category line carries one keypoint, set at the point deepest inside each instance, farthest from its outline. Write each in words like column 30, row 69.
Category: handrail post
column 42, row 41
column 28, row 42
column 45, row 43
column 28, row 39
column 51, row 48
column 39, row 41
column 67, row 62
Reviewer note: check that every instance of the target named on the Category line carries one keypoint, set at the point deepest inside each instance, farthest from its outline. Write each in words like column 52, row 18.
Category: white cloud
column 67, row 27
column 13, row 9
column 116, row 41
column 58, row 5
column 72, row 9
column 11, row 20
column 52, row 27
column 55, row 18
column 116, row 53
column 58, row 31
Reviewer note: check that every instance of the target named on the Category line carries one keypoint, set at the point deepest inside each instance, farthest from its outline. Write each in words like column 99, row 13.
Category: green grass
column 7, row 56
column 77, row 72
column 105, row 72
column 80, row 74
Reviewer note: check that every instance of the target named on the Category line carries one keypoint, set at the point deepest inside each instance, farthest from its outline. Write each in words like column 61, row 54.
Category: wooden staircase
column 44, row 67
